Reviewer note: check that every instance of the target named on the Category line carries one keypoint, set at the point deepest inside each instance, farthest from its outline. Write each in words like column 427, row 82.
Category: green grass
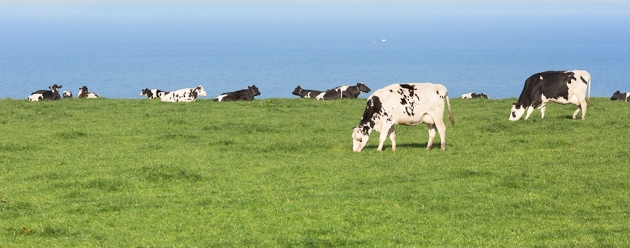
column 281, row 172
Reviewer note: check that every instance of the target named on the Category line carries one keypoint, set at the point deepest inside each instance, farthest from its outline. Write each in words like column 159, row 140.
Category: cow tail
column 589, row 90
column 450, row 114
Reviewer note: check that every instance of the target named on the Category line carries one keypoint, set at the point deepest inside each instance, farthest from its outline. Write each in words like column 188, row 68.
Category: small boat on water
column 383, row 40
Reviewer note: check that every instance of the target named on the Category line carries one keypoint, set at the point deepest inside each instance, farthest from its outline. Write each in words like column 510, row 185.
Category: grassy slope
column 280, row 172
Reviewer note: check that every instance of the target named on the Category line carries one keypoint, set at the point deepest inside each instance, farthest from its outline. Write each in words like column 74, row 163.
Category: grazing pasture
column 281, row 172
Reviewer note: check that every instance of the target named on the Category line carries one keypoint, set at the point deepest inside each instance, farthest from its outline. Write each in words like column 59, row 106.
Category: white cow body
column 35, row 97
column 405, row 104
column 184, row 95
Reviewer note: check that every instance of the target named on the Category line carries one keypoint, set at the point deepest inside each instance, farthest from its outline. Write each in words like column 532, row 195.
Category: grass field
column 281, row 172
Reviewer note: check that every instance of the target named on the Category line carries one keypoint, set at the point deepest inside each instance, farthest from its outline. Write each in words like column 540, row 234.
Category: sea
column 118, row 50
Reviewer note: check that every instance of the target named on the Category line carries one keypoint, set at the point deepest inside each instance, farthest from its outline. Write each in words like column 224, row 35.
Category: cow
column 404, row 104
column 152, row 94
column 52, row 94
column 305, row 93
column 553, row 86
column 245, row 95
column 622, row 97
column 184, row 95
column 84, row 93
column 343, row 92
column 67, row 94
column 472, row 95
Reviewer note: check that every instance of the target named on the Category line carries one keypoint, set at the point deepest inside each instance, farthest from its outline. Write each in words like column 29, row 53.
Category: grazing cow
column 245, row 95
column 305, row 93
column 184, row 95
column 553, row 86
column 52, row 94
column 67, row 94
column 343, row 92
column 472, row 95
column 622, row 97
column 84, row 93
column 405, row 104
column 152, row 94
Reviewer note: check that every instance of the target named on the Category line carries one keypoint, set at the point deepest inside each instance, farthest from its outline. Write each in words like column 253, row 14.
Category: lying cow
column 622, row 97
column 305, row 93
column 184, row 95
column 472, row 95
column 343, row 92
column 152, row 94
column 67, row 94
column 553, row 86
column 84, row 93
column 245, row 95
column 405, row 104
column 52, row 94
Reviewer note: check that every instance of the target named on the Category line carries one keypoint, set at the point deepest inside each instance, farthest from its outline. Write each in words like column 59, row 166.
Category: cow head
column 55, row 88
column 483, row 95
column 83, row 89
column 360, row 137
column 362, row 87
column 146, row 92
column 617, row 96
column 254, row 89
column 297, row 91
column 517, row 112
column 67, row 94
column 201, row 91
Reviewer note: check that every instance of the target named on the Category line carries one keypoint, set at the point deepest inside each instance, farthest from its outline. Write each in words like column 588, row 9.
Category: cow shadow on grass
column 388, row 146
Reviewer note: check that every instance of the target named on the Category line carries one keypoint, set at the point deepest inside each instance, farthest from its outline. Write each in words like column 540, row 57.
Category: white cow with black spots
column 405, row 104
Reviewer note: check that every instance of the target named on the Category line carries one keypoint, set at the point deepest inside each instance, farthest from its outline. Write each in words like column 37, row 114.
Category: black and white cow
column 553, row 86
column 305, row 93
column 622, row 97
column 472, row 95
column 184, row 95
column 343, row 92
column 404, row 104
column 84, row 93
column 245, row 95
column 152, row 94
column 67, row 94
column 52, row 94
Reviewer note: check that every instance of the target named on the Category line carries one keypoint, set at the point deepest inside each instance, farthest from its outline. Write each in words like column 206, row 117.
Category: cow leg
column 383, row 137
column 431, row 135
column 441, row 128
column 530, row 109
column 542, row 111
column 392, row 137
column 582, row 106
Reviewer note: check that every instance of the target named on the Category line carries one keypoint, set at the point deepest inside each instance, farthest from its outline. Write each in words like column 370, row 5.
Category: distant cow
column 622, row 97
column 343, row 92
column 84, row 93
column 52, row 94
column 67, row 94
column 184, row 95
column 152, row 94
column 405, row 104
column 474, row 95
column 553, row 86
column 305, row 93
column 245, row 95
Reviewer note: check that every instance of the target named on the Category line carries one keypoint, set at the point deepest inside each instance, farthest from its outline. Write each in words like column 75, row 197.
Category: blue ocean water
column 117, row 50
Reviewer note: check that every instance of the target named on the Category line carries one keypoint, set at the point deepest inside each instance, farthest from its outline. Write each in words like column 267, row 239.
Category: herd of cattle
column 404, row 104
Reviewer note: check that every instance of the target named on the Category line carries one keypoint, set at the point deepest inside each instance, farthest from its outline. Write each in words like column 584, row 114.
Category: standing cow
column 472, row 95
column 343, row 92
column 52, row 94
column 405, row 104
column 553, row 86
column 184, row 95
column 244, row 95
column 305, row 93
